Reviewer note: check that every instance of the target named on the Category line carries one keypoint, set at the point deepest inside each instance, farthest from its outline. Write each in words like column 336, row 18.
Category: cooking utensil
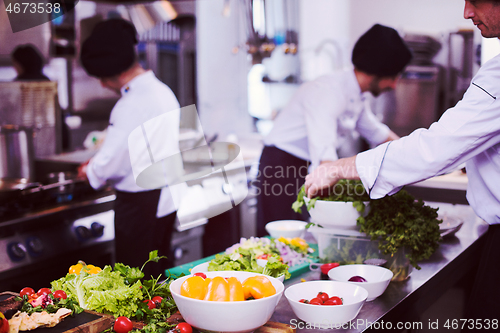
column 16, row 152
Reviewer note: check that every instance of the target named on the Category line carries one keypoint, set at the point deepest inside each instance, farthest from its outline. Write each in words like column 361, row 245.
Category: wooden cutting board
column 97, row 322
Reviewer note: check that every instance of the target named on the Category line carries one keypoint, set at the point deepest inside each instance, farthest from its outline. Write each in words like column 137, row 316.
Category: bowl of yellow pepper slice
column 227, row 301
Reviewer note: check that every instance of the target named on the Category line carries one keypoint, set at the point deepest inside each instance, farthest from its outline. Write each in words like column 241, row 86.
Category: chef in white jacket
column 324, row 120
column 467, row 133
column 144, row 219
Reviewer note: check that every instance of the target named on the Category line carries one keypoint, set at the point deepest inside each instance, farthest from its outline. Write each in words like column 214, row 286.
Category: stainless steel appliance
column 33, row 105
column 44, row 229
column 16, row 152
column 417, row 99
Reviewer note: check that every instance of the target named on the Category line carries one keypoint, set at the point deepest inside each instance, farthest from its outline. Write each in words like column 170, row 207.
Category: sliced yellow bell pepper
column 75, row 269
column 258, row 287
column 235, row 290
column 217, row 290
column 91, row 269
column 195, row 287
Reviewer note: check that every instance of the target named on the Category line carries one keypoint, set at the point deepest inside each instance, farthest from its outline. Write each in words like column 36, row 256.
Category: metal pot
column 16, row 152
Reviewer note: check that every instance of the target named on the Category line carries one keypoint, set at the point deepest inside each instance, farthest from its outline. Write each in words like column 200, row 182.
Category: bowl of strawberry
column 326, row 304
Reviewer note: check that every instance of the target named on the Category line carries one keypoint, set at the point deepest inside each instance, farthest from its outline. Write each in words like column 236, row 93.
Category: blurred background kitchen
column 239, row 62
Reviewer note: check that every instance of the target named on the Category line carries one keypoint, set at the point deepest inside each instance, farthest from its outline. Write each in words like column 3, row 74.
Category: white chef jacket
column 323, row 117
column 143, row 98
column 468, row 132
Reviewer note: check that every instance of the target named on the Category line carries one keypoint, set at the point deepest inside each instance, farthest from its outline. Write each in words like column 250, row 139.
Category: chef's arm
column 392, row 136
column 329, row 173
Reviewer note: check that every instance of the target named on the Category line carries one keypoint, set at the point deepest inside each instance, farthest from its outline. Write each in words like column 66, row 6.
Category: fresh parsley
column 399, row 221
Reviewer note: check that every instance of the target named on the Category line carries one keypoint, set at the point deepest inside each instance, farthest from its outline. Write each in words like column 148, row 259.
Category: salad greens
column 105, row 292
column 121, row 292
column 345, row 190
column 246, row 260
column 280, row 253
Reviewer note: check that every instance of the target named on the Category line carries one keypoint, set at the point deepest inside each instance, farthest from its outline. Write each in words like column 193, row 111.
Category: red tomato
column 323, row 296
column 27, row 291
column 151, row 304
column 157, row 300
column 44, row 291
column 325, row 268
column 303, row 300
column 200, row 274
column 334, row 300
column 316, row 301
column 184, row 328
column 122, row 325
column 60, row 294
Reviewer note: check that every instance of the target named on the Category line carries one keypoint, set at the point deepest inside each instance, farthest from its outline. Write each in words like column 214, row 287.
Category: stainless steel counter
column 403, row 302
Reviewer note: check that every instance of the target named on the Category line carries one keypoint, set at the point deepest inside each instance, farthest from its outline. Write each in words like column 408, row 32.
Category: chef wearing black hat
column 144, row 219
column 322, row 118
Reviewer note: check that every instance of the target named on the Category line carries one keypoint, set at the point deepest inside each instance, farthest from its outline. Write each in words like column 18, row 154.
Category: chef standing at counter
column 324, row 118
column 467, row 133
column 144, row 220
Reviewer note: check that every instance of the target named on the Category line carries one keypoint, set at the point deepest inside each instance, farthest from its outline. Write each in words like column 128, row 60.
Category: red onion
column 357, row 279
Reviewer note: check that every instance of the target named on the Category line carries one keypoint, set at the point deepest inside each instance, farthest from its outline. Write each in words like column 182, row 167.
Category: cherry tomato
column 157, row 300
column 323, row 296
column 334, row 300
column 184, row 328
column 27, row 291
column 316, row 301
column 44, row 291
column 200, row 274
column 60, row 294
column 151, row 304
column 325, row 268
column 303, row 300
column 122, row 325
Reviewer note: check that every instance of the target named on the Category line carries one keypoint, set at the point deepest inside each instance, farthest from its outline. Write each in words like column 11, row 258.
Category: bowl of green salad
column 341, row 209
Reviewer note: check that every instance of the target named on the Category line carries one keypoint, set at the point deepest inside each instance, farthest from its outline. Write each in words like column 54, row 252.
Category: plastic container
column 354, row 247
column 344, row 246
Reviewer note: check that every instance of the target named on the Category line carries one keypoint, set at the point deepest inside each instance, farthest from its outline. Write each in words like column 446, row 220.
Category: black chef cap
column 110, row 49
column 381, row 52
column 29, row 58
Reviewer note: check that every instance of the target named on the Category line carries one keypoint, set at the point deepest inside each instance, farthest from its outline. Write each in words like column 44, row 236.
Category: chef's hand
column 328, row 174
column 82, row 170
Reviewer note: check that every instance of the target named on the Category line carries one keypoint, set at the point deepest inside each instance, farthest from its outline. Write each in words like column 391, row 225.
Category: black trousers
column 483, row 302
column 281, row 175
column 138, row 231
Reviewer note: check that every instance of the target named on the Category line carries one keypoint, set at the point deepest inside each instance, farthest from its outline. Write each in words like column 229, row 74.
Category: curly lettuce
column 105, row 292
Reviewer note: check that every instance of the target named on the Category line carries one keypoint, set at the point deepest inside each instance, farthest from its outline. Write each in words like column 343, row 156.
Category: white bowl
column 326, row 316
column 245, row 316
column 335, row 214
column 204, row 268
column 286, row 228
column 377, row 277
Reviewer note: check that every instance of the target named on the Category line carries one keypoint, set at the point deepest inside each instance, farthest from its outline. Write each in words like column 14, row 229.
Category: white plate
column 204, row 268
column 450, row 225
